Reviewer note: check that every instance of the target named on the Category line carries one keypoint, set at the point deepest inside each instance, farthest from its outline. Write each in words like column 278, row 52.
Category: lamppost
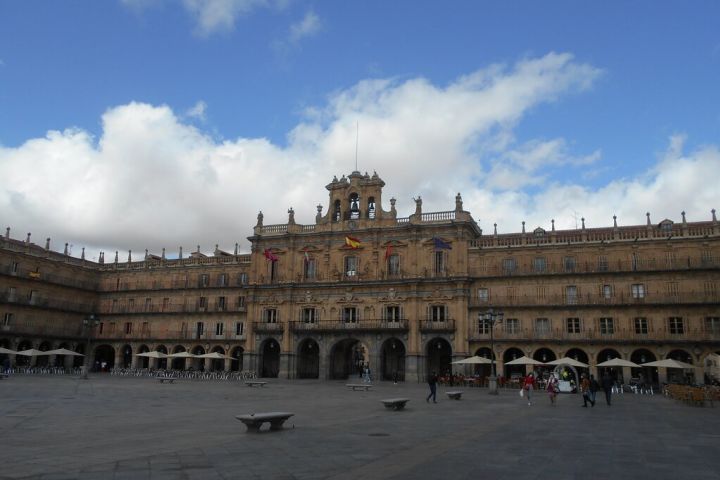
column 490, row 318
column 89, row 323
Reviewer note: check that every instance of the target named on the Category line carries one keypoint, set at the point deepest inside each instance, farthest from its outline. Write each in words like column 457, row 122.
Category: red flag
column 270, row 256
column 352, row 242
column 388, row 252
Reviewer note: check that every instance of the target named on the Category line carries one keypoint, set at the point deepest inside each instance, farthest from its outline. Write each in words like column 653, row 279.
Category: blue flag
column 440, row 245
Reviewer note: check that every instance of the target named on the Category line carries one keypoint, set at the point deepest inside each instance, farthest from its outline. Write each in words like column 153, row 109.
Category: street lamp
column 89, row 323
column 490, row 318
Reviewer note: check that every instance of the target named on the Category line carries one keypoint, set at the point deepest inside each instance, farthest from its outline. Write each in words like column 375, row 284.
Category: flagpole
column 357, row 134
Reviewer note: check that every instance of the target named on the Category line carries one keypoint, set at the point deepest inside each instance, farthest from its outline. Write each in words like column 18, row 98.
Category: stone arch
column 607, row 354
column 269, row 358
column 337, row 211
column 308, row 359
column 484, row 370
column 354, row 206
column 126, row 358
column 509, row 355
column 104, row 358
column 178, row 363
column 371, row 208
column 392, row 360
column 347, row 357
column 162, row 363
column 236, row 364
column 143, row 362
column 640, row 356
column 43, row 360
column 679, row 375
column 544, row 355
column 197, row 363
column 438, row 356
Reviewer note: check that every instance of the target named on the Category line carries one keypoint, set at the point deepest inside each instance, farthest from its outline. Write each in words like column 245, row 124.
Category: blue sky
column 595, row 105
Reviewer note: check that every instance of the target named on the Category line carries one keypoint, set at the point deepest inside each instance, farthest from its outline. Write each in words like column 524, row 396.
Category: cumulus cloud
column 197, row 111
column 308, row 26
column 152, row 180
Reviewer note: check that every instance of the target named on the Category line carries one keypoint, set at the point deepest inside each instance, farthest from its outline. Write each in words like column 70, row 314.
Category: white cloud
column 152, row 180
column 308, row 26
column 197, row 111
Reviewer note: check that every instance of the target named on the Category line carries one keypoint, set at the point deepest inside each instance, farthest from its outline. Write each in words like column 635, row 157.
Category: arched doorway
column 347, row 358
column 236, row 364
column 439, row 356
column 482, row 370
column 270, row 358
column 162, row 363
column 544, row 355
column 217, row 364
column 392, row 359
column 197, row 363
column 649, row 374
column 126, row 356
column 104, row 358
column 43, row 360
column 143, row 362
column 679, row 375
column 178, row 363
column 513, row 370
column 308, row 360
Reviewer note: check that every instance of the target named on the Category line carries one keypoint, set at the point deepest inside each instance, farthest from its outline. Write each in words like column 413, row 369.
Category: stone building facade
column 362, row 286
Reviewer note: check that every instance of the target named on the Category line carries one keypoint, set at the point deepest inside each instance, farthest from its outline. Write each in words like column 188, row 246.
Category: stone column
column 284, row 371
column 415, row 368
column 118, row 358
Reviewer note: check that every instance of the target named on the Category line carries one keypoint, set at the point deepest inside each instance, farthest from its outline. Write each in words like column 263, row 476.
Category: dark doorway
column 439, row 356
column 308, row 363
column 393, row 360
column 270, row 359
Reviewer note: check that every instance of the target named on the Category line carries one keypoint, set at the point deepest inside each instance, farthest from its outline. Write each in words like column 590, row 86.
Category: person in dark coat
column 432, row 382
column 607, row 385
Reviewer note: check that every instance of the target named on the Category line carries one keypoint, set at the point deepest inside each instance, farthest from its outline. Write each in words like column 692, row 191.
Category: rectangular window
column 113, row 307
column 11, row 294
column 541, row 292
column 32, row 297
column 542, row 326
column 638, row 290
column 199, row 329
column 573, row 325
column 635, row 261
column 240, row 302
column 131, row 305
column 569, row 264
column 128, row 328
column 14, row 267
column 202, row 303
column 607, row 326
column 512, row 325
column 309, row 268
column 710, row 289
column 270, row 315
column 670, row 259
column 274, row 271
column 221, row 305
column 602, row 263
column 112, row 328
column 393, row 265
column 438, row 313
column 706, row 258
column 242, row 278
column 392, row 313
column 349, row 315
column 440, row 262
column 239, row 328
column 203, row 280
column 145, row 328
column 351, row 266
column 607, row 292
column 641, row 326
column 148, row 304
column 219, row 328
column 571, row 294
column 676, row 325
column 101, row 327
column 483, row 295
column 308, row 315
column 509, row 265
column 222, row 280
column 483, row 326
column 672, row 288
column 166, row 304
column 539, row 264
column 712, row 324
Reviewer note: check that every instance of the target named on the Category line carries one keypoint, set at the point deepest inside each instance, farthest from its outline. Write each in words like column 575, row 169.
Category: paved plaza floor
column 136, row 428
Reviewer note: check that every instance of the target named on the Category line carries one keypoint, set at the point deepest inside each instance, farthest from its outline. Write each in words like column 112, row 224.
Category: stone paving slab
column 135, row 428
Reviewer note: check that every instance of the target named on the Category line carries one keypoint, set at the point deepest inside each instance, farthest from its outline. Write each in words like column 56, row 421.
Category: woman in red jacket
column 528, row 385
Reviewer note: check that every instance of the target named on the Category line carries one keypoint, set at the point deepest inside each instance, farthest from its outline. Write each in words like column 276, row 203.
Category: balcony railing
column 360, row 325
column 50, row 278
column 618, row 299
column 437, row 325
column 125, row 309
column 41, row 330
column 47, row 303
column 166, row 335
column 618, row 335
column 265, row 327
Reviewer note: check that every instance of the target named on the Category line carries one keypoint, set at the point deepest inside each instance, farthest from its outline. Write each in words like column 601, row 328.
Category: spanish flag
column 352, row 242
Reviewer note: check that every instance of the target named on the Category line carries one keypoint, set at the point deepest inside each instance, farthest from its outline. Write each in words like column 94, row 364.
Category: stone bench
column 254, row 421
column 165, row 379
column 454, row 395
column 395, row 403
column 254, row 383
column 359, row 386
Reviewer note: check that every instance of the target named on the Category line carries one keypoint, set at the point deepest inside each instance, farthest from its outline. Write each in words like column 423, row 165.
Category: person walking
column 607, row 385
column 528, row 385
column 594, row 387
column 552, row 388
column 432, row 382
column 585, row 390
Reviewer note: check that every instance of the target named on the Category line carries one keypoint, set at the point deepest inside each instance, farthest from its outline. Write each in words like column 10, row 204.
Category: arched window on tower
column 371, row 208
column 336, row 211
column 354, row 206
